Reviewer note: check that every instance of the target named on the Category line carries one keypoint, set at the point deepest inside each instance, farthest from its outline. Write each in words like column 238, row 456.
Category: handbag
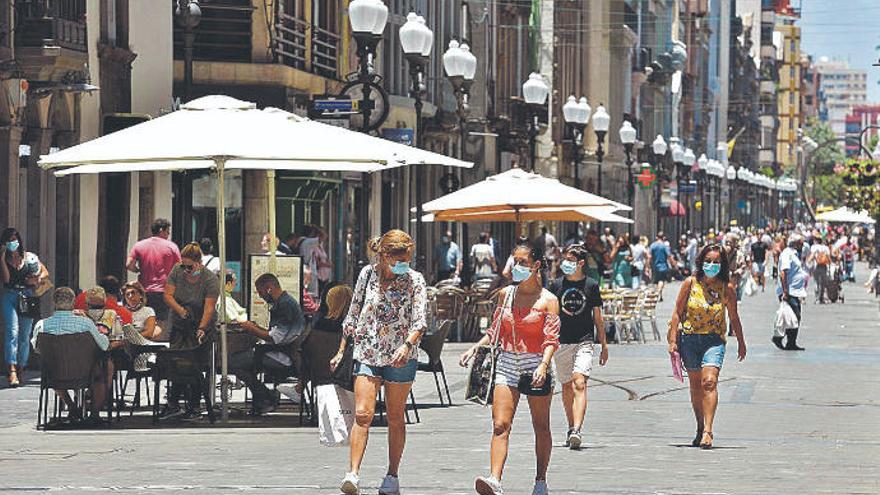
column 28, row 306
column 481, row 375
column 335, row 415
column 525, row 383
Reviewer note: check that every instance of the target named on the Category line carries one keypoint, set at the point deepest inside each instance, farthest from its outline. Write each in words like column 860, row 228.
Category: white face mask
column 568, row 267
column 520, row 273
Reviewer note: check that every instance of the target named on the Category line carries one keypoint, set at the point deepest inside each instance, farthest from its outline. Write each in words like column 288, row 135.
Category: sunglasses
column 189, row 268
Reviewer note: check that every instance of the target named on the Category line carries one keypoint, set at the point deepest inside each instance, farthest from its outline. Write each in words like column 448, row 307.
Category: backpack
column 822, row 258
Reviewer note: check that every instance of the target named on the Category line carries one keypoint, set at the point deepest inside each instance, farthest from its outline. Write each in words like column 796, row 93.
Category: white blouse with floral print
column 380, row 321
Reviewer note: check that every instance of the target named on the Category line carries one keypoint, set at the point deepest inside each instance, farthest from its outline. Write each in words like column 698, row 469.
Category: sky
column 844, row 30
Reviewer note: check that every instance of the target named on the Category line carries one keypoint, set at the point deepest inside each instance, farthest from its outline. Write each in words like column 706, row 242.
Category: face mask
column 400, row 268
column 268, row 298
column 12, row 246
column 444, row 240
column 568, row 267
column 711, row 269
column 520, row 273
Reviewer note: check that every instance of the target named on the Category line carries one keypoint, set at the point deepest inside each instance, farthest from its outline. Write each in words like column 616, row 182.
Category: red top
column 155, row 258
column 110, row 302
column 535, row 330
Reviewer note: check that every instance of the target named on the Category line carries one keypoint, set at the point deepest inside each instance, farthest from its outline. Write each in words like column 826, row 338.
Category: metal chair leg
column 415, row 407
column 446, row 386
column 437, row 384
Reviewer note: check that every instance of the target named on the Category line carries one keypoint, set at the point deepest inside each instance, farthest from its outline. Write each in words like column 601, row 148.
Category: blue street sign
column 402, row 136
column 332, row 105
column 687, row 187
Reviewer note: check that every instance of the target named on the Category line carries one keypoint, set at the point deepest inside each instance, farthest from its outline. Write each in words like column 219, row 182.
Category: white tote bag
column 785, row 320
column 335, row 415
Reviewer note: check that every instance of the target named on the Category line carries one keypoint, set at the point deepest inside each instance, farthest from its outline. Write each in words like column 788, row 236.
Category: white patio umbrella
column 563, row 214
column 845, row 215
column 218, row 132
column 522, row 195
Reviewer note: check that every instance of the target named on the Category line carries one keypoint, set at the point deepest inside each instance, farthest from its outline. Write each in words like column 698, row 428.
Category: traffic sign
column 687, row 187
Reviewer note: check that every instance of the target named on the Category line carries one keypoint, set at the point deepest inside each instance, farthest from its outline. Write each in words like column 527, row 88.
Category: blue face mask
column 520, row 273
column 12, row 246
column 711, row 269
column 400, row 268
column 568, row 267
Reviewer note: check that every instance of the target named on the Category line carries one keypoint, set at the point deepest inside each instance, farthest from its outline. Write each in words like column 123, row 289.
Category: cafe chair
column 184, row 367
column 432, row 345
column 69, row 362
column 318, row 348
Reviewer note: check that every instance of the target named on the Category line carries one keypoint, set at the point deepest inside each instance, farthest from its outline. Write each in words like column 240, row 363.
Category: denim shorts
column 700, row 351
column 406, row 374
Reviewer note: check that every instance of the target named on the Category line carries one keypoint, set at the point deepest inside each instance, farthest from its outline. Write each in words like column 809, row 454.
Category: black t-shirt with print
column 577, row 299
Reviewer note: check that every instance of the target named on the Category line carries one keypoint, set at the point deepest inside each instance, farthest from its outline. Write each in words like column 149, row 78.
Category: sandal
column 698, row 439
column 707, row 445
column 13, row 379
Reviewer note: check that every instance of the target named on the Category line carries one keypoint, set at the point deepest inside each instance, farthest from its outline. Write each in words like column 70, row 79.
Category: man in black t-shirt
column 580, row 312
column 759, row 259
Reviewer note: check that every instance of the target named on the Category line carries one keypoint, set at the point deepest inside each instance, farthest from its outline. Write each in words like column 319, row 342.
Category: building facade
column 840, row 87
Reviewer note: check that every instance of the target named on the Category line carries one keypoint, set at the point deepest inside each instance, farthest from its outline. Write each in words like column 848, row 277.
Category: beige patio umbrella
column 518, row 196
column 564, row 214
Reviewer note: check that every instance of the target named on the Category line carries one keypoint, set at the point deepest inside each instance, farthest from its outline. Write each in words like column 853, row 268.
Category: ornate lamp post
column 188, row 15
column 368, row 19
column 461, row 67
column 417, row 41
column 535, row 92
column 690, row 159
column 628, row 136
column 601, row 123
column 702, row 183
column 577, row 116
column 659, row 148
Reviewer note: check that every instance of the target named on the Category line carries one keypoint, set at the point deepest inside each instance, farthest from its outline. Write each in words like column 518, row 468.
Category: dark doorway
column 113, row 224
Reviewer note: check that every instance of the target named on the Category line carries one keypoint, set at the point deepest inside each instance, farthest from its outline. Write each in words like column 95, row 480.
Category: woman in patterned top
column 385, row 321
column 699, row 311
column 527, row 325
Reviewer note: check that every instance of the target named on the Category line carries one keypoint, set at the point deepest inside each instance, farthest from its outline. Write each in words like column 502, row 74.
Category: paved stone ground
column 788, row 423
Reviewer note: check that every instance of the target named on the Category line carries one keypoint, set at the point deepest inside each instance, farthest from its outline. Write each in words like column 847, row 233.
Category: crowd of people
column 547, row 325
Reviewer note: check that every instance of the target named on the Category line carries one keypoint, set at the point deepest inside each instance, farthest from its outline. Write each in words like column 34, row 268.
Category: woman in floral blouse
column 385, row 321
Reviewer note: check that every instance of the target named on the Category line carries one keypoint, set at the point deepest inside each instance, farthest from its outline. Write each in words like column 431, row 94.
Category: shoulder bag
column 343, row 376
column 481, row 375
column 525, row 382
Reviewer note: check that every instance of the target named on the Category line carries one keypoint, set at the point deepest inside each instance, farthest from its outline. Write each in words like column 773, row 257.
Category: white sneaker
column 390, row 486
column 350, row 484
column 574, row 440
column 540, row 488
column 488, row 486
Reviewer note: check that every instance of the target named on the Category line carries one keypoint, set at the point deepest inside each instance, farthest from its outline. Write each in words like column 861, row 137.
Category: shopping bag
column 677, row 366
column 335, row 415
column 785, row 320
column 751, row 287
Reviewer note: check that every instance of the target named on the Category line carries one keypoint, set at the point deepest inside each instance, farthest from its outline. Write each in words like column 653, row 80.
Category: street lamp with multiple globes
column 601, row 123
column 659, row 148
column 731, row 186
column 577, row 116
column 535, row 92
column 689, row 159
column 628, row 137
column 417, row 41
column 460, row 66
column 368, row 19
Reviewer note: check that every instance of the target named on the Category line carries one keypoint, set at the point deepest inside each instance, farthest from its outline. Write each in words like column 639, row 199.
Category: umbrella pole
column 221, row 239
column 273, row 244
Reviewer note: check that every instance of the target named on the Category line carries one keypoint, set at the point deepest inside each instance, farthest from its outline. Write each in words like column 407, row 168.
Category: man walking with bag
column 791, row 288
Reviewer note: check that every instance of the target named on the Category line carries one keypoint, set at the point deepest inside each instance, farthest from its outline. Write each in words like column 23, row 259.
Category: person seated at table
column 106, row 319
column 65, row 322
column 334, row 306
column 111, row 286
column 143, row 329
column 286, row 322
column 234, row 312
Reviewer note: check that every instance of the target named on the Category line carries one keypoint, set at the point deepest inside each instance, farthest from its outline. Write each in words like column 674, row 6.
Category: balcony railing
column 223, row 35
column 307, row 47
column 51, row 23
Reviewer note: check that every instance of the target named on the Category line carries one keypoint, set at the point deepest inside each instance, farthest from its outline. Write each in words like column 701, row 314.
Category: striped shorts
column 511, row 364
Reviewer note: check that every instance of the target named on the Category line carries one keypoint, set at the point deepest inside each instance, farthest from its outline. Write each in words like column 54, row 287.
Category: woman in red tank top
column 527, row 323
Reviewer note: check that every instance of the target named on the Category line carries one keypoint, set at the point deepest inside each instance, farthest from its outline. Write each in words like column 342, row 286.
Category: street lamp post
column 658, row 147
column 601, row 123
column 677, row 150
column 628, row 136
column 689, row 159
column 417, row 41
column 535, row 92
column 577, row 116
column 368, row 19
column 188, row 15
column 703, row 166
